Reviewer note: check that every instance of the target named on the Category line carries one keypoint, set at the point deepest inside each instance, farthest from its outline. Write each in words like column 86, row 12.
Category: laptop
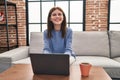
column 51, row 64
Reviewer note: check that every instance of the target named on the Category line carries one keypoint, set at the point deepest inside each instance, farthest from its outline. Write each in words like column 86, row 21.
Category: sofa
column 99, row 48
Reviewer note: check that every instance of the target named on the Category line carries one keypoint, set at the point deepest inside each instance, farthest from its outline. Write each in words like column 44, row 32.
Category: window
column 38, row 12
column 114, row 15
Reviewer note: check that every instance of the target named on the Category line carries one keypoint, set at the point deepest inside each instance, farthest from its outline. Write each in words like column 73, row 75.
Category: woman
column 57, row 37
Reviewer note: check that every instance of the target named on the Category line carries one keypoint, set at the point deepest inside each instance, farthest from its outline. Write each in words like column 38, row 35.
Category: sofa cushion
column 111, row 66
column 114, row 43
column 97, row 61
column 117, row 59
column 16, row 54
column 94, row 43
column 23, row 61
column 36, row 42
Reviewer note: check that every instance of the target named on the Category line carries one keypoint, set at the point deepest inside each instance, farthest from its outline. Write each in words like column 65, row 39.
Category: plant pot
column 85, row 69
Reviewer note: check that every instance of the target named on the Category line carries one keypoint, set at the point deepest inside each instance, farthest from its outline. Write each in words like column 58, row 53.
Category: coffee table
column 24, row 72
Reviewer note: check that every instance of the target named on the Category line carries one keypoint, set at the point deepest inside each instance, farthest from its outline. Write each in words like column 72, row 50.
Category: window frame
column 109, row 17
column 68, row 22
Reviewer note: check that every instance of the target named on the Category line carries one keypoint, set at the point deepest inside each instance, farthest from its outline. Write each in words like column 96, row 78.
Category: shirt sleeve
column 46, row 48
column 68, row 49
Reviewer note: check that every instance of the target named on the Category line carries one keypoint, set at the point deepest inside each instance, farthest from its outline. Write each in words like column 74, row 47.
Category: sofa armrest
column 16, row 54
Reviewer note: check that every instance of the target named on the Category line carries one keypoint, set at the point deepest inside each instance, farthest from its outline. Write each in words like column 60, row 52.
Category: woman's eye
column 54, row 14
column 59, row 14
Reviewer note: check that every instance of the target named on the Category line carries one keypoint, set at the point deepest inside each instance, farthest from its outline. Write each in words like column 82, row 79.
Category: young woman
column 57, row 37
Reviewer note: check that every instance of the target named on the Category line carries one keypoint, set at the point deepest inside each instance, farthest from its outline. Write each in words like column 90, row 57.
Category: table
column 24, row 72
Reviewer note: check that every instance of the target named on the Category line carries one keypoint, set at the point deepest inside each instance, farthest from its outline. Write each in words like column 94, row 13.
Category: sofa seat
column 23, row 61
column 97, row 61
column 117, row 59
column 94, row 60
column 112, row 67
column 28, row 61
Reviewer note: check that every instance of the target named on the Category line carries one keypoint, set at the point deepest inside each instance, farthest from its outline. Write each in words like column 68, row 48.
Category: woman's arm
column 46, row 48
column 68, row 49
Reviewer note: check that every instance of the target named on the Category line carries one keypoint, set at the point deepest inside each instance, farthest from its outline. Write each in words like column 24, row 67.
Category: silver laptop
column 53, row 64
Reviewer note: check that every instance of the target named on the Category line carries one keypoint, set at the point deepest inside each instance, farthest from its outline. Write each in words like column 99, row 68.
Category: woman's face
column 56, row 17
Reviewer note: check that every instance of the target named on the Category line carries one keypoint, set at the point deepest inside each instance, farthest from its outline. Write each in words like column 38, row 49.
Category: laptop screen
column 54, row 64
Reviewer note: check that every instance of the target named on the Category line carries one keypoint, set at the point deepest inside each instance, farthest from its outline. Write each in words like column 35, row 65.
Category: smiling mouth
column 57, row 20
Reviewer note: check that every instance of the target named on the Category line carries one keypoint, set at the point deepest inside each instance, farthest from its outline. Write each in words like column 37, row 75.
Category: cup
column 85, row 69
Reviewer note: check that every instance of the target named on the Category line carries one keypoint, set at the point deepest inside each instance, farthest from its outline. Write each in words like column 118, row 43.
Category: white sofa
column 100, row 48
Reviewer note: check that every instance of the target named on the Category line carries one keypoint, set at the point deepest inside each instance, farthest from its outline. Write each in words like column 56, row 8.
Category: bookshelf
column 8, row 26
